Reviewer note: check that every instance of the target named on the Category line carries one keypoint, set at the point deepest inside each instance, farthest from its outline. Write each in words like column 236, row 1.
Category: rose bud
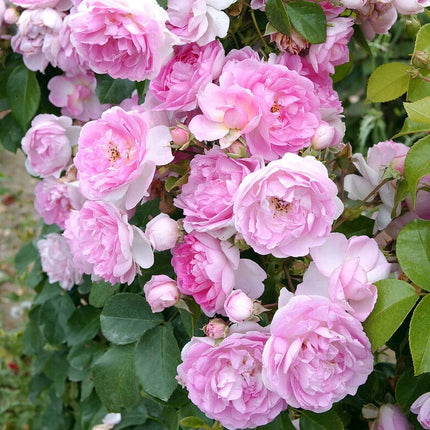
column 161, row 292
column 163, row 232
column 238, row 306
column 215, row 328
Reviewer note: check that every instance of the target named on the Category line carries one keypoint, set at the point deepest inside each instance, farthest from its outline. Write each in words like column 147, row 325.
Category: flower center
column 275, row 107
column 281, row 207
column 113, row 152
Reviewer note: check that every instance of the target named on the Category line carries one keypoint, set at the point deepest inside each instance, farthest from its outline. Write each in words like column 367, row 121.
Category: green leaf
column 48, row 292
column 101, row 292
column 422, row 42
column 418, row 88
column 92, row 411
column 281, row 422
column 113, row 91
column 419, row 336
column 193, row 423
column 11, row 133
column 162, row 3
column 329, row 420
column 419, row 111
column 133, row 417
column 56, row 369
column 388, row 82
column 410, row 127
column 83, row 325
column 413, row 252
column 410, row 387
column 115, row 378
column 81, row 357
column 157, row 357
column 33, row 339
column 23, row 92
column 26, row 255
column 126, row 317
column 357, row 227
column 308, row 19
column 395, row 300
column 277, row 16
column 417, row 165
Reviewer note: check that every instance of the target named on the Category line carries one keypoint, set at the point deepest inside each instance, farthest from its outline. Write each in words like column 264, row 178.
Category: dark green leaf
column 419, row 336
column 144, row 213
column 281, row 422
column 38, row 383
column 56, row 369
column 359, row 226
column 113, row 91
column 11, row 133
column 410, row 387
column 23, row 92
column 33, row 339
column 308, row 19
column 26, row 255
column 278, row 17
column 126, row 317
column 82, row 356
column 48, row 292
column 133, row 417
column 83, row 325
column 157, row 357
column 413, row 252
column 92, row 411
column 101, row 292
column 162, row 3
column 115, row 378
column 395, row 300
column 329, row 420
column 142, row 88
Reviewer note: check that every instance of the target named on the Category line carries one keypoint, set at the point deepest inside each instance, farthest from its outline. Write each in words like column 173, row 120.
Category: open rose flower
column 391, row 417
column 421, row 406
column 124, row 38
column 225, row 382
column 286, row 207
column 317, row 353
column 39, row 4
column 105, row 245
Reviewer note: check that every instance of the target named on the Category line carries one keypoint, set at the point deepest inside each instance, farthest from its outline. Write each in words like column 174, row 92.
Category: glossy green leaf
column 23, row 93
column 395, row 300
column 126, row 317
column 410, row 127
column 413, row 252
column 308, row 19
column 422, row 42
column 417, row 165
column 82, row 356
column 113, row 91
column 101, row 292
column 418, row 88
column 157, row 357
column 388, row 82
column 410, row 387
column 115, row 378
column 11, row 133
column 83, row 325
column 419, row 111
column 277, row 16
column 26, row 255
column 419, row 336
column 329, row 420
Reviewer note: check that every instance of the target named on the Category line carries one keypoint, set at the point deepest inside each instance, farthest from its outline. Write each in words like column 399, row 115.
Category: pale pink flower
column 161, row 292
column 224, row 381
column 54, row 200
column 208, row 269
column 48, row 145
column 316, row 355
column 259, row 4
column 123, row 38
column 238, row 306
column 57, row 261
column 9, row 16
column 421, row 407
column 186, row 74
column 200, row 21
column 39, row 4
column 376, row 17
column 105, row 245
column 2, row 11
column 117, row 156
column 216, row 328
column 163, row 232
column 208, row 196
column 390, row 417
column 286, row 207
column 353, row 4
column 345, row 270
column 410, row 7
column 37, row 38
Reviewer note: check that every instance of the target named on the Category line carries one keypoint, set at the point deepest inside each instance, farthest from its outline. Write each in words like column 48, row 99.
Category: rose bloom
column 48, row 145
column 117, row 156
column 421, row 407
column 39, row 4
column 161, row 292
column 316, row 355
column 37, row 38
column 191, row 68
column 57, row 261
column 286, row 207
column 390, row 417
column 105, row 245
column 199, row 21
column 54, row 200
column 410, row 7
column 124, row 38
column 345, row 270
column 76, row 96
column 376, row 17
column 208, row 269
column 225, row 381
column 163, row 232
column 208, row 196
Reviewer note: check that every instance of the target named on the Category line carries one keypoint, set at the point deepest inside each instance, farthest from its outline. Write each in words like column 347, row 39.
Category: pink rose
column 57, row 261
column 199, row 21
column 316, row 355
column 376, row 18
column 390, row 417
column 216, row 328
column 118, row 154
column 224, row 381
column 286, row 207
column 39, row 4
column 123, row 38
column 344, row 270
column 105, row 245
column 48, row 145
column 208, row 196
column 161, row 292
column 163, row 232
column 238, row 306
column 188, row 72
column 54, row 200
column 410, row 7
column 75, row 95
column 37, row 38
column 421, row 407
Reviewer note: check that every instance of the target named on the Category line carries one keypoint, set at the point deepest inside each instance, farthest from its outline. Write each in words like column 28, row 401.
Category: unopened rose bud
column 238, row 148
column 10, row 16
column 323, row 136
column 161, row 292
column 216, row 328
column 420, row 59
column 413, row 73
column 163, row 232
column 180, row 136
column 238, row 306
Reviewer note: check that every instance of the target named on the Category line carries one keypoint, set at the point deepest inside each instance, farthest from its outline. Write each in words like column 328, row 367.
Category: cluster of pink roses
column 246, row 129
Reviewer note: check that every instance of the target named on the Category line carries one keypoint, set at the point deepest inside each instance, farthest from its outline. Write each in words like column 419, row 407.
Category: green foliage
column 113, row 91
column 325, row 421
column 419, row 336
